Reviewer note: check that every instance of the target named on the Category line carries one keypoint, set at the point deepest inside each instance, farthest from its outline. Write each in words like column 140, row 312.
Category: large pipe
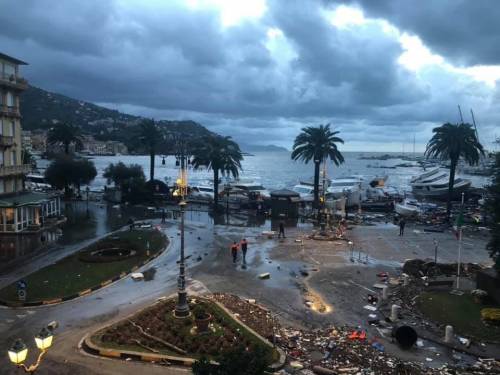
column 405, row 336
column 448, row 334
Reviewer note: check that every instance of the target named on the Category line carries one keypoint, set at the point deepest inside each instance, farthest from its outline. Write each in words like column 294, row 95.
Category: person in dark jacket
column 282, row 229
column 402, row 224
column 244, row 247
column 234, row 251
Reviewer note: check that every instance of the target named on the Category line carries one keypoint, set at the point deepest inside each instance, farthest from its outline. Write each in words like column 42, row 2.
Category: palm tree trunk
column 152, row 164
column 216, row 189
column 66, row 148
column 451, row 183
column 316, row 184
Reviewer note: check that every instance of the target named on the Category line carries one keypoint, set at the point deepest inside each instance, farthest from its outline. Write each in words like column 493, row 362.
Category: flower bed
column 156, row 330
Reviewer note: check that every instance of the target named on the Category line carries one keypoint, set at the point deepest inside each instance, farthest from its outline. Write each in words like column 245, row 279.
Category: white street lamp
column 19, row 351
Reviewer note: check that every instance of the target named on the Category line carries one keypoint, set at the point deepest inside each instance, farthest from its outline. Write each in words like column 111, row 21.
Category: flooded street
column 311, row 283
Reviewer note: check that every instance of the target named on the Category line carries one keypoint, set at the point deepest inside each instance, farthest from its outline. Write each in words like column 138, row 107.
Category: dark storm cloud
column 171, row 61
column 466, row 31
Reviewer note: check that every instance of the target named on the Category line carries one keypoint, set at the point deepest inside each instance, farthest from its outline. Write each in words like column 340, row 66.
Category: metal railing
column 14, row 80
column 14, row 170
column 6, row 141
column 9, row 109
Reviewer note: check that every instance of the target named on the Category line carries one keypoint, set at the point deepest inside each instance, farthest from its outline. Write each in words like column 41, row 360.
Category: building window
column 13, row 160
column 9, row 69
column 1, row 120
column 1, row 160
column 10, row 99
column 12, row 128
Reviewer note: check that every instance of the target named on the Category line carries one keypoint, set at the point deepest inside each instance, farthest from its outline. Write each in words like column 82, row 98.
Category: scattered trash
column 378, row 346
column 137, row 276
column 264, row 276
column 370, row 307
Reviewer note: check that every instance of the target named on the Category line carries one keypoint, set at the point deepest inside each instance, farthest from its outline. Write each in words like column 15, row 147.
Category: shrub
column 491, row 315
column 199, row 312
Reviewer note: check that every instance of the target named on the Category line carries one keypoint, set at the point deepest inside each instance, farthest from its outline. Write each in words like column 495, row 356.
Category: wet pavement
column 329, row 273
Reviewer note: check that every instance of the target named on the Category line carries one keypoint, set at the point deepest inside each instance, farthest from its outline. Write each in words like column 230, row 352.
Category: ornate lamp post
column 19, row 351
column 182, row 307
column 87, row 190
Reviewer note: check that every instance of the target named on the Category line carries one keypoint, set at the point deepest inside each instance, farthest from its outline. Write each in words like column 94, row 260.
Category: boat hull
column 441, row 193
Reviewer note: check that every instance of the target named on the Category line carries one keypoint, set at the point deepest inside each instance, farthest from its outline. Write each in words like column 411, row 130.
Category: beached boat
column 249, row 187
column 434, row 184
column 348, row 187
column 202, row 192
column 37, row 182
column 408, row 207
column 305, row 191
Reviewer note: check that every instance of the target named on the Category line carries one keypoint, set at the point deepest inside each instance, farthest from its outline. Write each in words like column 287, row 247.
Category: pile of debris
column 420, row 268
column 335, row 350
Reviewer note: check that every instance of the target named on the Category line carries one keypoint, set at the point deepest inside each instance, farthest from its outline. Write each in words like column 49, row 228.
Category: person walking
column 234, row 251
column 402, row 224
column 244, row 247
column 282, row 229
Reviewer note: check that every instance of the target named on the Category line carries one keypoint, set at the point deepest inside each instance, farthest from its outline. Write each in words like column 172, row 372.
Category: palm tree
column 66, row 134
column 221, row 155
column 150, row 137
column 317, row 144
column 451, row 142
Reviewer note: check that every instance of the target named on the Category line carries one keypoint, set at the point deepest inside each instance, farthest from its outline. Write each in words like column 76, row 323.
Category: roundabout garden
column 97, row 265
column 210, row 334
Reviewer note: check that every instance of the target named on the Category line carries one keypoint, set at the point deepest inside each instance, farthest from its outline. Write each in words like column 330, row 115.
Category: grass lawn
column 459, row 311
column 71, row 275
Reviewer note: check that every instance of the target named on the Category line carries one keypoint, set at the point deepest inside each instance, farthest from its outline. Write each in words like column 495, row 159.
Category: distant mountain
column 259, row 148
column 42, row 110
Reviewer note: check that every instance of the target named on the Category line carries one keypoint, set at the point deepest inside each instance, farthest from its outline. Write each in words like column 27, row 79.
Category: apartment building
column 20, row 210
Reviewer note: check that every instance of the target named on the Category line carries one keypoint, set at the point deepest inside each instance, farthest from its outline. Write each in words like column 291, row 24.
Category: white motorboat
column 434, row 184
column 305, row 191
column 348, row 187
column 408, row 207
column 202, row 192
column 249, row 187
column 37, row 182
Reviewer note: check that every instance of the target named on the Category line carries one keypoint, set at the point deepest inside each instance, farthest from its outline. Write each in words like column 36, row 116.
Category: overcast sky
column 381, row 72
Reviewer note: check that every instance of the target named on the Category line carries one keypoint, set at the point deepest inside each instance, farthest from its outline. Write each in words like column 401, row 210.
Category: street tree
column 150, row 137
column 220, row 154
column 452, row 142
column 493, row 204
column 317, row 144
column 65, row 172
column 65, row 134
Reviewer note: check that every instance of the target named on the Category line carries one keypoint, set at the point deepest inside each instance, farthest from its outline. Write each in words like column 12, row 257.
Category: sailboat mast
column 413, row 145
column 461, row 117
column 474, row 122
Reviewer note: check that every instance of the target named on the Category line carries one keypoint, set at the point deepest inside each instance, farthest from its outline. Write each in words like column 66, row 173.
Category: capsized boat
column 434, row 184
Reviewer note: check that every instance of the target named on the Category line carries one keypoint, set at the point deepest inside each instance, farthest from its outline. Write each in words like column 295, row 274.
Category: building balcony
column 13, row 81
column 12, row 170
column 8, row 110
column 6, row 141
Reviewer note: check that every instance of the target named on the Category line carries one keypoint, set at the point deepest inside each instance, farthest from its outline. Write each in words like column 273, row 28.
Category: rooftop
column 11, row 59
column 24, row 199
